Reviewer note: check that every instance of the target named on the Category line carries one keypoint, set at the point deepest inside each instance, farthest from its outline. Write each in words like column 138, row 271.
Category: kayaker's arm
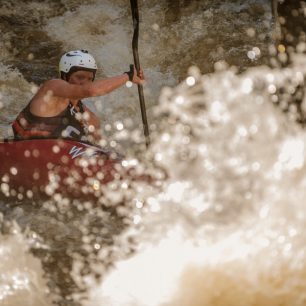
column 61, row 88
column 64, row 89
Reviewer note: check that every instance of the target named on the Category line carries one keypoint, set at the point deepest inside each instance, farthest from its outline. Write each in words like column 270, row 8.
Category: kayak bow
column 50, row 166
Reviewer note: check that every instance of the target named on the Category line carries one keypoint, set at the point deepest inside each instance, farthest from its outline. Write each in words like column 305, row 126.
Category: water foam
column 227, row 227
column 22, row 279
column 15, row 91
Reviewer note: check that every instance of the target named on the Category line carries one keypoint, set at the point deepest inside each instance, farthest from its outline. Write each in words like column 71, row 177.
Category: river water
column 225, row 226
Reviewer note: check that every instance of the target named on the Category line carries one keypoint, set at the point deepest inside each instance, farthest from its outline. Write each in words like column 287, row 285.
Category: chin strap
column 130, row 73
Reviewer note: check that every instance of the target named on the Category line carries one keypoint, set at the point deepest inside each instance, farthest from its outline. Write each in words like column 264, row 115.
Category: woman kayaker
column 56, row 110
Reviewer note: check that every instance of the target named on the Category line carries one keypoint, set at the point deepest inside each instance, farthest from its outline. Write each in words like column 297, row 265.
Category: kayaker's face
column 81, row 77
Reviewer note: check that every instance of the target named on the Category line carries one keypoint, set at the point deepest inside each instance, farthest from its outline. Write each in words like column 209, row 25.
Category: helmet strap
column 63, row 76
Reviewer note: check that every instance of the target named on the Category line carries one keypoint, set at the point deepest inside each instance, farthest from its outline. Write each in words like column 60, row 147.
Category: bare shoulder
column 55, row 87
column 54, row 83
column 46, row 102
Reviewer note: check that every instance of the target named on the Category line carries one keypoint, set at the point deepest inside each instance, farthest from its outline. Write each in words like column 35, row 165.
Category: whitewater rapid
column 225, row 226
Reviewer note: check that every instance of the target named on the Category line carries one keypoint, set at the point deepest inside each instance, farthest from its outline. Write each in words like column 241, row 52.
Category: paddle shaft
column 135, row 16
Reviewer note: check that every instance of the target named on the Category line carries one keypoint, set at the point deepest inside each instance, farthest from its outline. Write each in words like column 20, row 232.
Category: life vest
column 64, row 125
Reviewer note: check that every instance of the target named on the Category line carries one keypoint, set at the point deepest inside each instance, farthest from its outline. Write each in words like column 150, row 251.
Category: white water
column 22, row 279
column 227, row 226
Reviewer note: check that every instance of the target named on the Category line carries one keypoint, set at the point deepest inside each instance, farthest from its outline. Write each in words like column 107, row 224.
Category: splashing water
column 21, row 273
column 227, row 227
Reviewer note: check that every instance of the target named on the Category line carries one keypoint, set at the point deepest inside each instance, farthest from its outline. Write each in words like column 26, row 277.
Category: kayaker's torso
column 67, row 124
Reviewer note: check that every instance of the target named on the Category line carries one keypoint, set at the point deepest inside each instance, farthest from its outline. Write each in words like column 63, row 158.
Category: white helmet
column 78, row 60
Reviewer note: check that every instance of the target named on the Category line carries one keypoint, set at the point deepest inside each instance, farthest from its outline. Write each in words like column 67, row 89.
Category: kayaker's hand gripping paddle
column 135, row 16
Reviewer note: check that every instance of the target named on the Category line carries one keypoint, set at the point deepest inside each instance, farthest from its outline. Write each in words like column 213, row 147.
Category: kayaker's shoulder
column 53, row 82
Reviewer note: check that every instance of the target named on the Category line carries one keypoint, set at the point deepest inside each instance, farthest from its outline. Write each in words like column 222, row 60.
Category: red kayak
column 49, row 166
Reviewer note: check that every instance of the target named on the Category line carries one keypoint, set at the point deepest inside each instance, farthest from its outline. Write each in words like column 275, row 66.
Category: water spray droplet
column 281, row 48
column 155, row 27
column 251, row 32
column 190, row 81
column 14, row 171
column 30, row 56
column 128, row 84
column 251, row 55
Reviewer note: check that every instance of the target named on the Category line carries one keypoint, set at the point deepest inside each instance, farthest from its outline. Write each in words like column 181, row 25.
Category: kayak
column 51, row 166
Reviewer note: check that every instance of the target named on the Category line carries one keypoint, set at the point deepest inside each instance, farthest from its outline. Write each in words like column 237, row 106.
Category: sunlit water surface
column 225, row 226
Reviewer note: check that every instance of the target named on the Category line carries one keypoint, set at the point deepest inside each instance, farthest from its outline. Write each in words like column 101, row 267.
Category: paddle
column 135, row 16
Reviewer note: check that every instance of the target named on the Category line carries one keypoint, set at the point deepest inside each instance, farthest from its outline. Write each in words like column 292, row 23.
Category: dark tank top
column 64, row 125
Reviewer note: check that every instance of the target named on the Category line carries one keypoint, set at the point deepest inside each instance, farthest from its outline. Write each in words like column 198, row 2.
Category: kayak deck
column 49, row 166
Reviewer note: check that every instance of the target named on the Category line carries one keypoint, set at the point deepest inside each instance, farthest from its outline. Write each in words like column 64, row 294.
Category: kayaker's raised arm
column 80, row 85
column 60, row 88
